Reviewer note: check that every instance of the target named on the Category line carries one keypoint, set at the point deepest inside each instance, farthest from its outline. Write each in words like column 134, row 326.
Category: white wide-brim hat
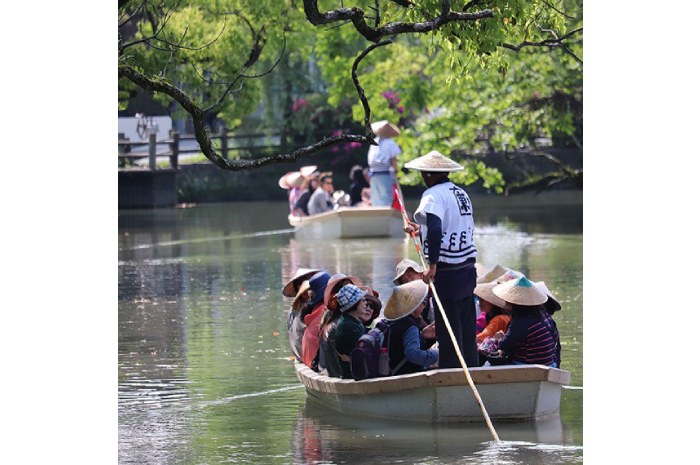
column 307, row 171
column 485, row 291
column 404, row 299
column 520, row 291
column 302, row 274
column 385, row 129
column 434, row 162
column 291, row 179
column 403, row 267
column 552, row 303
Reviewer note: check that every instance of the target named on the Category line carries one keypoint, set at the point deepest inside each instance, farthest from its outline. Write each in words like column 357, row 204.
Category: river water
column 205, row 374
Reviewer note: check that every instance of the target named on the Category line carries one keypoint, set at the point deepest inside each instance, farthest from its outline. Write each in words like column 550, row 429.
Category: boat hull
column 349, row 222
column 521, row 392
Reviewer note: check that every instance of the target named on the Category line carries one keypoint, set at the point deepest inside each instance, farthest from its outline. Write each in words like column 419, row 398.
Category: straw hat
column 520, row 291
column 485, row 291
column 334, row 285
column 302, row 274
column 348, row 296
column 508, row 275
column 434, row 162
column 403, row 267
column 404, row 299
column 552, row 304
column 301, row 296
column 307, row 171
column 490, row 275
column 385, row 129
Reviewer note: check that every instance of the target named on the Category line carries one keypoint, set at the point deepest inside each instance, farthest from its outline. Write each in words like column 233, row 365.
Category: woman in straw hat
column 301, row 208
column 403, row 310
column 350, row 300
column 297, row 287
column 528, row 339
column 445, row 215
column 381, row 159
column 311, row 316
column 327, row 358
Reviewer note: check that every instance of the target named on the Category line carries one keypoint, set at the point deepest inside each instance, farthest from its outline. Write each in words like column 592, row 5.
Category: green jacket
column 347, row 332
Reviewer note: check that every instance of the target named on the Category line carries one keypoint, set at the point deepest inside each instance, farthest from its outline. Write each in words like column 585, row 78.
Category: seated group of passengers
column 330, row 313
column 515, row 325
column 311, row 192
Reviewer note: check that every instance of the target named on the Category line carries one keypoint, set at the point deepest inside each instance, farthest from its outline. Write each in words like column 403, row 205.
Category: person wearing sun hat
column 327, row 357
column 406, row 340
column 528, row 339
column 311, row 316
column 408, row 270
column 444, row 219
column 350, row 300
column 381, row 159
column 550, row 307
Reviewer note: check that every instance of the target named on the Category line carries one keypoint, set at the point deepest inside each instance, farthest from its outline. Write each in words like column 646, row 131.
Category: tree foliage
column 464, row 78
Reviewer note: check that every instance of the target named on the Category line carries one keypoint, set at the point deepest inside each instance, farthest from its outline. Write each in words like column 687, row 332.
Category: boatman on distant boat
column 445, row 221
column 381, row 159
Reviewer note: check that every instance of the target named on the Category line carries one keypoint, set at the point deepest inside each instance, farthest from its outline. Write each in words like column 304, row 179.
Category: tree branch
column 375, row 34
column 361, row 91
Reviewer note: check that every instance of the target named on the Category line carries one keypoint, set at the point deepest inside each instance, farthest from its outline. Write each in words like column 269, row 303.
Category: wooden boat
column 513, row 392
column 349, row 222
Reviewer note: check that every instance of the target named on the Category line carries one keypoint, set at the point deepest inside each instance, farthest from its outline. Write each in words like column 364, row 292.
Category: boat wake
column 210, row 239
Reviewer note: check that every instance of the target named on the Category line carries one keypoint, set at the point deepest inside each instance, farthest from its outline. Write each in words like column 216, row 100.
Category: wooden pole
column 152, row 151
column 174, row 149
column 416, row 241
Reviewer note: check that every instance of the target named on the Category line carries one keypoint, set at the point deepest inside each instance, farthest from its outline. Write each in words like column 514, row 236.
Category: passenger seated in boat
column 328, row 363
column 297, row 287
column 301, row 208
column 550, row 307
column 321, row 200
column 374, row 304
column 529, row 340
column 403, row 310
column 359, row 187
column 351, row 302
column 408, row 270
column 497, row 319
column 311, row 316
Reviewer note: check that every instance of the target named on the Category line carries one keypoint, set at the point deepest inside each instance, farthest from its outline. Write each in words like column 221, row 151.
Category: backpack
column 364, row 358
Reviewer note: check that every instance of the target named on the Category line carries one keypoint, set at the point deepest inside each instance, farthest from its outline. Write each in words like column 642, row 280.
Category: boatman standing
column 446, row 225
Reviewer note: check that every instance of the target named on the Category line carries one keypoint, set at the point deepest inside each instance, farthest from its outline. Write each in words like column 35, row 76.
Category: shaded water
column 204, row 369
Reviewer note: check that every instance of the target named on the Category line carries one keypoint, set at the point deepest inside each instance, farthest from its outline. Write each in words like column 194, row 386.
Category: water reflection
column 323, row 436
column 204, row 373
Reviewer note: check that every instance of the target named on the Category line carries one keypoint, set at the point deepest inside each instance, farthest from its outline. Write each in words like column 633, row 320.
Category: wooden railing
column 175, row 149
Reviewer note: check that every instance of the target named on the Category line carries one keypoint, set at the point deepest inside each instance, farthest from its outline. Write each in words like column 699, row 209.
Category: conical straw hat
column 434, row 162
column 385, row 129
column 508, row 275
column 485, row 291
column 490, row 275
column 404, row 299
column 290, row 289
column 520, row 291
column 552, row 304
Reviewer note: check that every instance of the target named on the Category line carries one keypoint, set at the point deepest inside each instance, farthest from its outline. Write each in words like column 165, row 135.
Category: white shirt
column 379, row 156
column 454, row 208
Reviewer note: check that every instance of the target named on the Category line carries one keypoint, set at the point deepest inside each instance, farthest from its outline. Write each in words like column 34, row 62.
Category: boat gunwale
column 344, row 213
column 430, row 379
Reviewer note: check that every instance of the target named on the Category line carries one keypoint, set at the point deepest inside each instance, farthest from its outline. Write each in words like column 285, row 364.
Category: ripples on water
column 204, row 369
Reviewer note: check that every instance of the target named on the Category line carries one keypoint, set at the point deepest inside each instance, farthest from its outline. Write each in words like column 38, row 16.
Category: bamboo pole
column 416, row 241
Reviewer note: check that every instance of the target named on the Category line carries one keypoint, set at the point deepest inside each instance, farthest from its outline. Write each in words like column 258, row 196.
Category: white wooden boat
column 513, row 392
column 349, row 222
